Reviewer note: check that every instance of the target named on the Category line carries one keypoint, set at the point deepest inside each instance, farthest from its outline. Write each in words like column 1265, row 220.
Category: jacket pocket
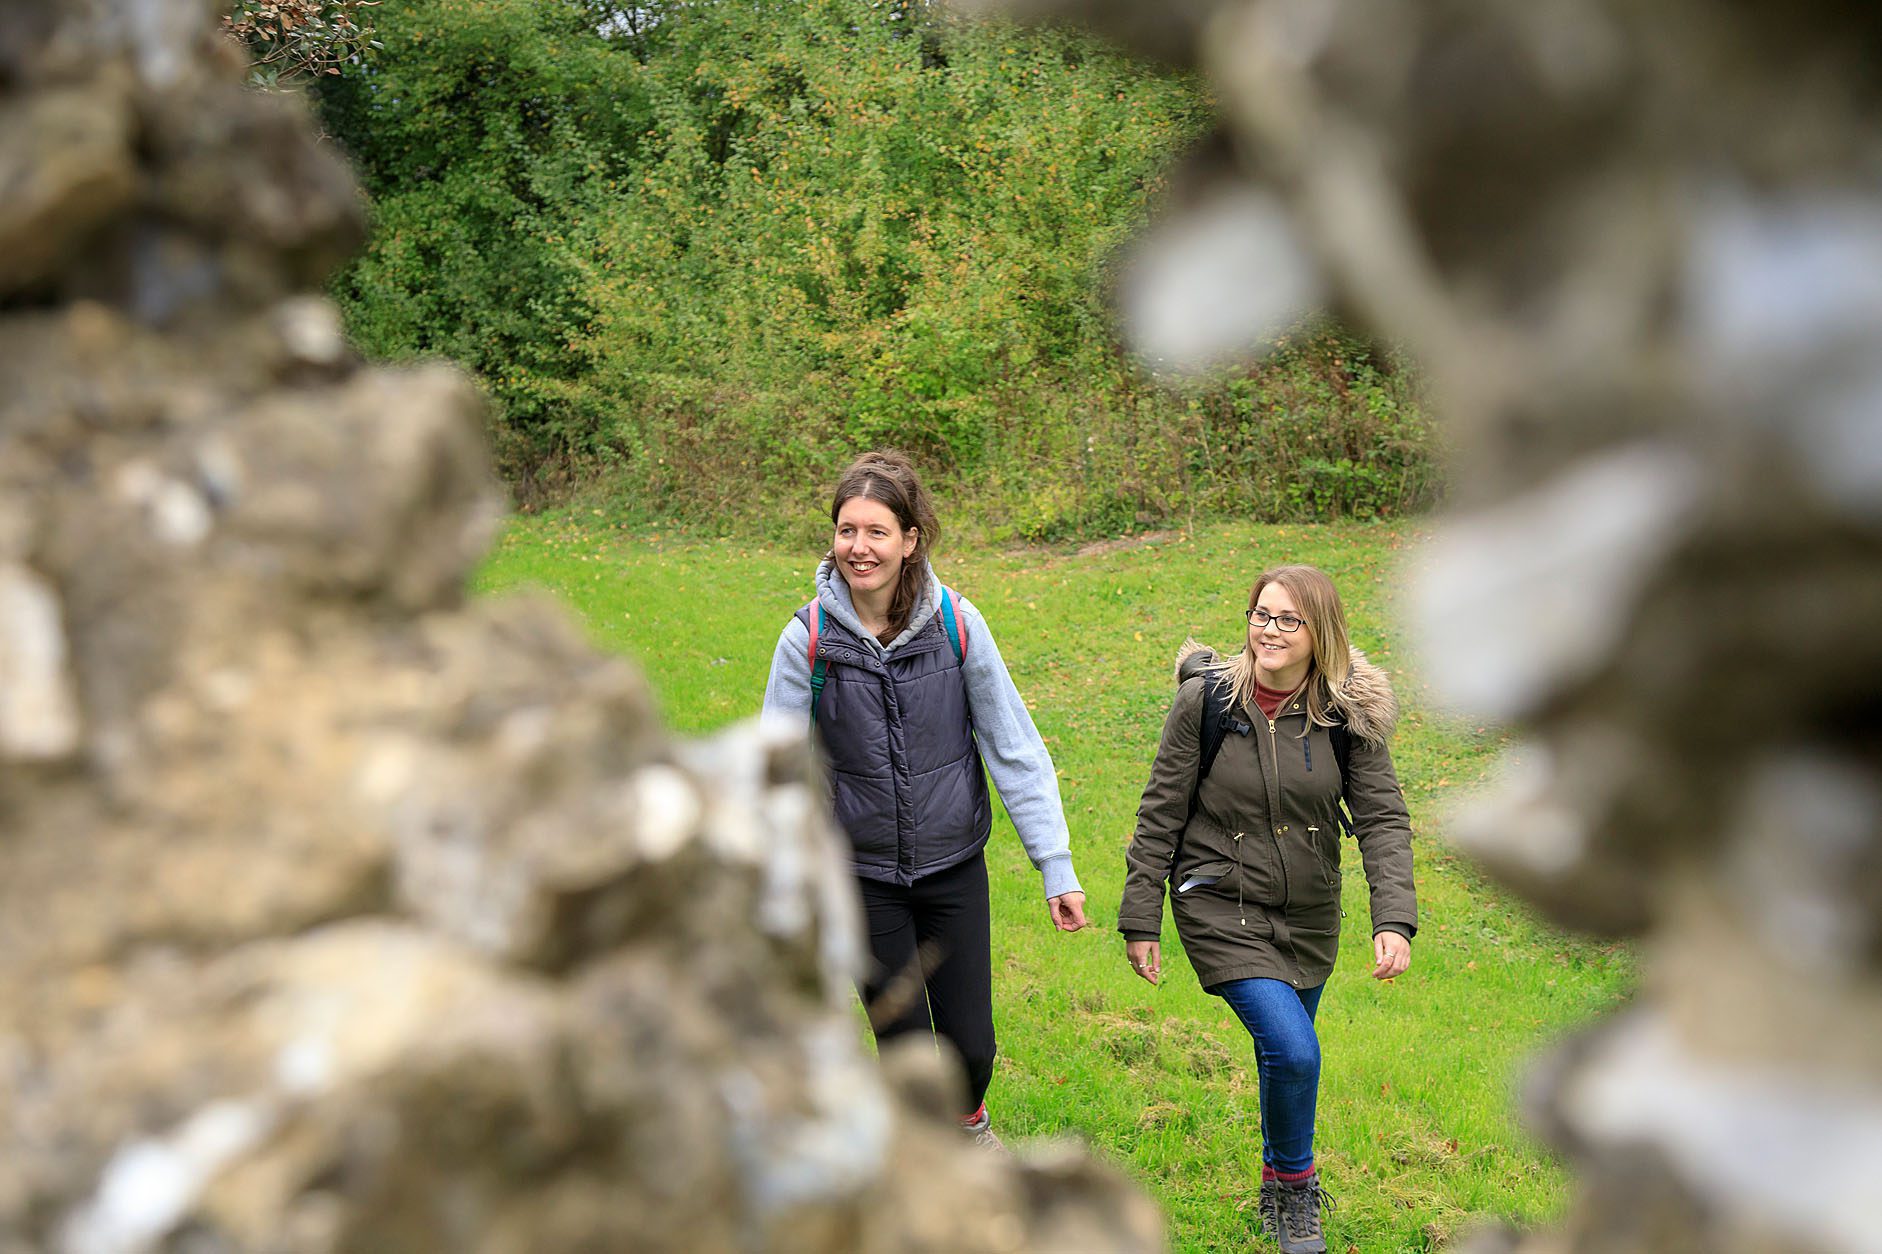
column 1256, row 875
column 1212, row 910
column 1329, row 870
column 1203, row 875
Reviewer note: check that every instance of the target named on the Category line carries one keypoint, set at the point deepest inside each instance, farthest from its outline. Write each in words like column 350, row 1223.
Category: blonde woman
column 1263, row 756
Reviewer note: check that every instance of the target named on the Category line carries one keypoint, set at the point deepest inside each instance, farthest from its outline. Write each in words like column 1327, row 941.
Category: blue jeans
column 1287, row 1060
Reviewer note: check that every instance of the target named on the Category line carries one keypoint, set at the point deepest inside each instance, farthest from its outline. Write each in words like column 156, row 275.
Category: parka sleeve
column 1161, row 816
column 1382, row 827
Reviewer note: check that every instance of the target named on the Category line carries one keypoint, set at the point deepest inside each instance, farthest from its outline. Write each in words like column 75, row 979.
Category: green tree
column 492, row 136
column 700, row 251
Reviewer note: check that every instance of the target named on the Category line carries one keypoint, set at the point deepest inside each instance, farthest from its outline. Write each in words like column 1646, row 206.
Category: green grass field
column 1416, row 1135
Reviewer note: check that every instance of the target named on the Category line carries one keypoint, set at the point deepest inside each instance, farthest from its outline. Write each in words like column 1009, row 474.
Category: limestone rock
column 1634, row 245
column 39, row 717
column 338, row 914
column 65, row 170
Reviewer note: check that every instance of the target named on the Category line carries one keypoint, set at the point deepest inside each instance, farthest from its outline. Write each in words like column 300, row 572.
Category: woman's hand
column 1391, row 955
column 1146, row 958
column 1067, row 911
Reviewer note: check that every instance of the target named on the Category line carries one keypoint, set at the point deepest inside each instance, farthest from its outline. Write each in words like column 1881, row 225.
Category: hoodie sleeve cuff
column 1403, row 929
column 1059, row 876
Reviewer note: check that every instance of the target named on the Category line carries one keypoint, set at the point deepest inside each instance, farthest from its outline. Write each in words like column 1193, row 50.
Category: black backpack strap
column 1217, row 722
column 1343, row 755
column 1215, row 729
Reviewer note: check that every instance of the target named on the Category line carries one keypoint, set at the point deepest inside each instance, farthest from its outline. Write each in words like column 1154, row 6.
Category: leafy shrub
column 701, row 253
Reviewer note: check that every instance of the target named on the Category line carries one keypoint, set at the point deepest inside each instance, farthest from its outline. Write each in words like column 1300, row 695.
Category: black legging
column 932, row 969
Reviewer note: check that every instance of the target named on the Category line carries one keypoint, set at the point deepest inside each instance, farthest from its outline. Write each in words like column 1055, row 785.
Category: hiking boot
column 1297, row 1216
column 1269, row 1208
column 980, row 1127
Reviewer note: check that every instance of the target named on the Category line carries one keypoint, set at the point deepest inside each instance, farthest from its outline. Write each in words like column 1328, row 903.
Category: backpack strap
column 820, row 667
column 1217, row 722
column 957, row 635
column 1216, row 725
column 1343, row 756
column 813, row 617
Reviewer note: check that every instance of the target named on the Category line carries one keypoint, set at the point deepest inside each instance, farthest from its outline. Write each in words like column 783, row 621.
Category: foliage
column 1416, row 1131
column 491, row 135
column 1330, row 428
column 297, row 39
column 702, row 252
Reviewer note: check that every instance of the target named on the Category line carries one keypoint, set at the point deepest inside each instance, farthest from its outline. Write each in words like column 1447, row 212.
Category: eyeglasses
column 1286, row 622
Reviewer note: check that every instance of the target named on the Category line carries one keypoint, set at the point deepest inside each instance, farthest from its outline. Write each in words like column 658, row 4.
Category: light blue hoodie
column 1009, row 744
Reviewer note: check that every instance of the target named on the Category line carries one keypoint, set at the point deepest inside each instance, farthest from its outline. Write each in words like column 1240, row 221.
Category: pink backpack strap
column 813, row 617
column 952, row 624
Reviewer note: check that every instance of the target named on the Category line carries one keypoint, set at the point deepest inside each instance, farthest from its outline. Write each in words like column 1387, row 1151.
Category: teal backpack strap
column 956, row 636
column 818, row 666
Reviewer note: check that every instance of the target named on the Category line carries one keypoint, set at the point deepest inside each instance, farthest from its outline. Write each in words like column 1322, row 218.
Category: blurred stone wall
column 337, row 914
column 1638, row 246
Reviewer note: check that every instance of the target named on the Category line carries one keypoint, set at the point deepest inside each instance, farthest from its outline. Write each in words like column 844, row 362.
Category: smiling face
column 1282, row 658
column 870, row 546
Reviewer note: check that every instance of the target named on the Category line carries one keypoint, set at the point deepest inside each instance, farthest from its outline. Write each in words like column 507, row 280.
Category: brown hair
column 1319, row 603
column 888, row 477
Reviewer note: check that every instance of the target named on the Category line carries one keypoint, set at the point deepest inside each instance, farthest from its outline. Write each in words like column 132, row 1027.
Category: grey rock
column 1635, row 247
column 65, row 170
column 338, row 913
column 39, row 717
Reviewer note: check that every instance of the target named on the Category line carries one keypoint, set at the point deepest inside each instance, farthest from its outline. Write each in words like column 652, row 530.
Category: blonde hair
column 1317, row 601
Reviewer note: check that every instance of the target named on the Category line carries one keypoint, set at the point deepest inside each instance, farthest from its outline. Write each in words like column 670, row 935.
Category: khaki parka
column 1257, row 890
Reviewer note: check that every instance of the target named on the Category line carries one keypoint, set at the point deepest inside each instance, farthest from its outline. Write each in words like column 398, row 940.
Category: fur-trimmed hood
column 1365, row 700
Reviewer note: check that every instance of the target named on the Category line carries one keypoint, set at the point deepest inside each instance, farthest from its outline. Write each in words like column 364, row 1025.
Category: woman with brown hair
column 908, row 697
column 1263, row 756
